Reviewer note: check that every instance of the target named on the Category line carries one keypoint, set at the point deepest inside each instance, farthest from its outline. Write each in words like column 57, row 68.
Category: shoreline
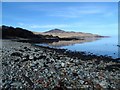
column 29, row 66
column 69, row 52
column 80, row 54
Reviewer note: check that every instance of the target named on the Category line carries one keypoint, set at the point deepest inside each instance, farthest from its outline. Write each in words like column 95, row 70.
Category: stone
column 75, row 73
column 42, row 57
column 62, row 64
column 16, row 54
column 31, row 57
column 35, row 70
column 16, row 84
column 28, row 80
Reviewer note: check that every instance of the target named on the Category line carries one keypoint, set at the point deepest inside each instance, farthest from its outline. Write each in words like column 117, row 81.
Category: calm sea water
column 103, row 46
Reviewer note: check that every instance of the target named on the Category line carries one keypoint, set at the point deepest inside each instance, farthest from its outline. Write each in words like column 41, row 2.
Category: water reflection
column 98, row 46
column 67, row 43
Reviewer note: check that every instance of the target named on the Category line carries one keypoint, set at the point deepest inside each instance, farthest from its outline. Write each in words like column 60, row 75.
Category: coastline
column 29, row 66
column 81, row 54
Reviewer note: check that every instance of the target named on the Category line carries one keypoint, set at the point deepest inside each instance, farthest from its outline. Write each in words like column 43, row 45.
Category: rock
column 58, row 88
column 16, row 84
column 35, row 70
column 28, row 80
column 81, row 81
column 103, row 84
column 46, row 70
column 27, row 49
column 98, row 87
column 42, row 57
column 16, row 54
column 62, row 64
column 58, row 57
column 17, row 60
column 75, row 73
column 68, row 63
column 41, row 80
column 31, row 57
column 21, row 50
column 45, row 65
column 7, row 86
column 5, row 63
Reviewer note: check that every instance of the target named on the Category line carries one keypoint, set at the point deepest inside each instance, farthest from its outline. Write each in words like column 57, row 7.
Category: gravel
column 27, row 66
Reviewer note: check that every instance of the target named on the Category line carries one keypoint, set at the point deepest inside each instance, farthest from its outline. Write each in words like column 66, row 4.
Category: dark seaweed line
column 81, row 55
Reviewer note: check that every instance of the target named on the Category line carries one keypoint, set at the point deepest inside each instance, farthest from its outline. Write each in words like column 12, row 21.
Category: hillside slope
column 66, row 34
column 11, row 32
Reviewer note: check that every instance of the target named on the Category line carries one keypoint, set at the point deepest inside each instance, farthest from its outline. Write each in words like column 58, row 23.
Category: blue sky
column 92, row 17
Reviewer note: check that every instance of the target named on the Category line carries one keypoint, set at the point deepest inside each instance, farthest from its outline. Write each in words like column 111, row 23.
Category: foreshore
column 28, row 66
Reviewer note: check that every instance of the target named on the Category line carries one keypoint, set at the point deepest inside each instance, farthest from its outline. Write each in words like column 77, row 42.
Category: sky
column 60, row 0
column 91, row 17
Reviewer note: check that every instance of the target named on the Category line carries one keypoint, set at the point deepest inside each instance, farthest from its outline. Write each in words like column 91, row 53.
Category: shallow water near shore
column 103, row 46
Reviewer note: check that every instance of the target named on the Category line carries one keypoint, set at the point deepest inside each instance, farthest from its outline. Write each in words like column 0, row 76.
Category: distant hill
column 69, row 34
column 55, row 31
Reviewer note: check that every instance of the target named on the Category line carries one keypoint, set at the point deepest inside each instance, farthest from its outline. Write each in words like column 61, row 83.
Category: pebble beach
column 25, row 66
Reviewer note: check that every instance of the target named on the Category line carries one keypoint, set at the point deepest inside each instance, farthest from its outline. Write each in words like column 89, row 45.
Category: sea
column 107, row 46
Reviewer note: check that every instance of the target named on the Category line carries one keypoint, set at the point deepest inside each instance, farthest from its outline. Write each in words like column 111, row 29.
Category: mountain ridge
column 56, row 30
column 69, row 34
column 59, row 31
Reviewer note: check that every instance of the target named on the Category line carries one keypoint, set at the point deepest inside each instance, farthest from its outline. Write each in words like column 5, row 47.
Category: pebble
column 37, row 67
column 31, row 57
column 63, row 64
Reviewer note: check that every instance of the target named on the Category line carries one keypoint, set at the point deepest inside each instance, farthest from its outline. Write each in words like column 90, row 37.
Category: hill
column 55, row 31
column 20, row 34
column 11, row 32
column 55, row 35
column 69, row 34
